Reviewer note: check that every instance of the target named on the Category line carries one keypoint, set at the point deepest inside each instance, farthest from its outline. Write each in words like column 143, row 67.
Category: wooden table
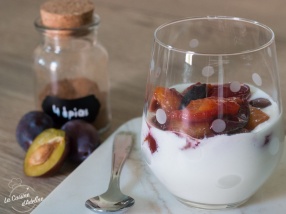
column 127, row 32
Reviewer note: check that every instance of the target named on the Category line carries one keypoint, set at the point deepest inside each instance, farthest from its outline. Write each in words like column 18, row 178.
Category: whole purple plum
column 30, row 126
column 83, row 139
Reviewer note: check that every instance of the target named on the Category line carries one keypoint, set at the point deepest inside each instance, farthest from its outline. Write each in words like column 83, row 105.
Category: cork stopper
column 66, row 13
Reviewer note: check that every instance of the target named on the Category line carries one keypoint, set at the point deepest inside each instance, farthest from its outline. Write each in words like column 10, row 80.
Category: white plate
column 92, row 176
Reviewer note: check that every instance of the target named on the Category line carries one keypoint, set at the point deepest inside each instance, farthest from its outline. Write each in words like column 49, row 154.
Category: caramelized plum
column 83, row 139
column 225, row 90
column 256, row 117
column 167, row 99
column 194, row 92
column 260, row 103
column 232, row 123
column 31, row 125
column 46, row 154
column 194, row 130
column 206, row 109
column 236, row 123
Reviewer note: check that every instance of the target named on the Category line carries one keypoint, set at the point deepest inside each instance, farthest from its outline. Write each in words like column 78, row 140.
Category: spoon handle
column 121, row 148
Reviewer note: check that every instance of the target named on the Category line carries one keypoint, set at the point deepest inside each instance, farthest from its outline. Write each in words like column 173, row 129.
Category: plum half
column 46, row 154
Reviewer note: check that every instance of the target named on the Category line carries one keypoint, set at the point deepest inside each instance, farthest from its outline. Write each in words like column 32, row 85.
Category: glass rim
column 253, row 22
column 95, row 22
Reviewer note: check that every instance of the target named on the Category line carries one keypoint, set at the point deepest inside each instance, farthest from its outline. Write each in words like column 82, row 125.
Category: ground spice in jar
column 66, row 92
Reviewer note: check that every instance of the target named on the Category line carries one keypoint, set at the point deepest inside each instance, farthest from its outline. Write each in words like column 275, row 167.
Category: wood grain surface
column 126, row 31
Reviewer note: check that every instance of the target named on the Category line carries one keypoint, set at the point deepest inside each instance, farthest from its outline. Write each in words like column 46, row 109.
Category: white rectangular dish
column 91, row 178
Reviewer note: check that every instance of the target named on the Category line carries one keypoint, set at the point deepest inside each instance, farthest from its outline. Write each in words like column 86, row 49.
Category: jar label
column 63, row 110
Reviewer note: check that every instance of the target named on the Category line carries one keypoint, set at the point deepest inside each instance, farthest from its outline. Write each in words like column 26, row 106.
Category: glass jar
column 71, row 74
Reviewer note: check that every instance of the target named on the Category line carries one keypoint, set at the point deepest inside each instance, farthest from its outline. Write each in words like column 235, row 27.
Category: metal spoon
column 113, row 199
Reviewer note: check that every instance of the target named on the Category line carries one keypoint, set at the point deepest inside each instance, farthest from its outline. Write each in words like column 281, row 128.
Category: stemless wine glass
column 212, row 121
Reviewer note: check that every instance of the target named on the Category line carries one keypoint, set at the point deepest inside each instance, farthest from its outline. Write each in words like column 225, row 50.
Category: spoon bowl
column 113, row 199
column 101, row 204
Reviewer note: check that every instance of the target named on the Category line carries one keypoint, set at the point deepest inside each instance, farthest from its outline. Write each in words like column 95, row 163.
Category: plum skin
column 83, row 139
column 30, row 126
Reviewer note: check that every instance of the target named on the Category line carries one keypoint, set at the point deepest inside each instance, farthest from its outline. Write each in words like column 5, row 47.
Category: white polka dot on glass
column 257, row 79
column 229, row 181
column 208, row 71
column 218, row 125
column 194, row 43
column 269, row 52
column 235, row 86
column 161, row 116
column 152, row 65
